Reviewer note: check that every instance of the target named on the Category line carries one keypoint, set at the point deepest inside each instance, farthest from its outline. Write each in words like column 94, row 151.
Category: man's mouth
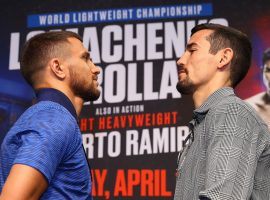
column 181, row 70
column 95, row 78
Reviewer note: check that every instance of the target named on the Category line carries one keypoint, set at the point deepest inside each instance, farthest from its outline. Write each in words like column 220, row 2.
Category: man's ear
column 57, row 68
column 226, row 56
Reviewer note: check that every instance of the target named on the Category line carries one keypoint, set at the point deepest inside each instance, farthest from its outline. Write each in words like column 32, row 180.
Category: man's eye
column 86, row 58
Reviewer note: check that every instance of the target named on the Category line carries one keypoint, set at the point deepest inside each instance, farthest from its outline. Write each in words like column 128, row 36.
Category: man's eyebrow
column 86, row 54
column 191, row 45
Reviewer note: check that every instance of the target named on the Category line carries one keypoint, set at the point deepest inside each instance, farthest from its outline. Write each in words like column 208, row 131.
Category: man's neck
column 75, row 100
column 78, row 104
column 201, row 93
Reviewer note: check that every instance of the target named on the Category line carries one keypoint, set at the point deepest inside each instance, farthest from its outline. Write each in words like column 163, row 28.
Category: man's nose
column 181, row 60
column 96, row 69
column 178, row 61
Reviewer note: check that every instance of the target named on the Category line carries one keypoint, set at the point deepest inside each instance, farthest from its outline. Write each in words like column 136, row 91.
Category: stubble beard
column 185, row 86
column 85, row 89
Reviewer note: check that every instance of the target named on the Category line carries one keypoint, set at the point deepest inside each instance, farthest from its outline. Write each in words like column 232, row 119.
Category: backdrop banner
column 132, row 134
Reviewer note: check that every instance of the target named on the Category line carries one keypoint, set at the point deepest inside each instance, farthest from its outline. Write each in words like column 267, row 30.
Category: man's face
column 83, row 72
column 266, row 75
column 196, row 66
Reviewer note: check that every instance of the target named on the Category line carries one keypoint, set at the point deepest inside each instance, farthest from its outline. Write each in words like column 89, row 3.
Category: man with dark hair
column 227, row 153
column 42, row 156
column 261, row 102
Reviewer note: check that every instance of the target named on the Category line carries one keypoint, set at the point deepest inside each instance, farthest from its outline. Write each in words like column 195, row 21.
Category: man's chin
column 184, row 89
column 93, row 96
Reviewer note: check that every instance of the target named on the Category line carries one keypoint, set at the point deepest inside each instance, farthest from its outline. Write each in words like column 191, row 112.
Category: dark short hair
column 228, row 37
column 39, row 49
column 266, row 55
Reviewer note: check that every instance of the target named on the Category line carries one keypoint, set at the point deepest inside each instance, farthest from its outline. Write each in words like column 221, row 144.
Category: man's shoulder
column 45, row 109
column 46, row 120
column 44, row 114
column 229, row 101
column 235, row 106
